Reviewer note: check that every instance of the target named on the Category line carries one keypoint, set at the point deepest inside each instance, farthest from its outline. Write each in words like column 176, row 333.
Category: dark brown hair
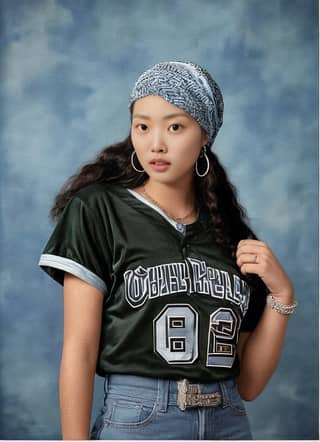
column 113, row 165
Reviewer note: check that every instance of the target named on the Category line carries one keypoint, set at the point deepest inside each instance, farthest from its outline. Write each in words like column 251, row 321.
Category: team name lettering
column 190, row 276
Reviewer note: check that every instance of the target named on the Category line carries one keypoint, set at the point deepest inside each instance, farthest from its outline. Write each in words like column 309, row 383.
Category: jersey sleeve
column 257, row 303
column 77, row 245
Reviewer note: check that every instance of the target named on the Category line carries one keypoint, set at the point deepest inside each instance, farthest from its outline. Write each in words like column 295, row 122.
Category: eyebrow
column 167, row 117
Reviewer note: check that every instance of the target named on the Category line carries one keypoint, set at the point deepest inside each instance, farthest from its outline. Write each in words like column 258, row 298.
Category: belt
column 189, row 395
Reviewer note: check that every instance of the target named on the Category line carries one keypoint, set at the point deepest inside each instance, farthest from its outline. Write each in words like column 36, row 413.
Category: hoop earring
column 132, row 163
column 203, row 154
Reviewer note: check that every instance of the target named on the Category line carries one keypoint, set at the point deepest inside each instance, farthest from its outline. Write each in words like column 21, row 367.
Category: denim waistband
column 163, row 390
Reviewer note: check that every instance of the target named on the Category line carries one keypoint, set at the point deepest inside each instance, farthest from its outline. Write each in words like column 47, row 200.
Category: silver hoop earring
column 203, row 154
column 132, row 163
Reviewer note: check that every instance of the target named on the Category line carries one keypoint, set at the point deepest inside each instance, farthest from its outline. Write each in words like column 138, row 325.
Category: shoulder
column 95, row 194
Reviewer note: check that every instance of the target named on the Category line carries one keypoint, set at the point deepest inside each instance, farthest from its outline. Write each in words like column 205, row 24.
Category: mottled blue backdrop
column 67, row 67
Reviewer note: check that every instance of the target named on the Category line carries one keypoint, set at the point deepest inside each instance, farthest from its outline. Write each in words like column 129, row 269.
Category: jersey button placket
column 185, row 250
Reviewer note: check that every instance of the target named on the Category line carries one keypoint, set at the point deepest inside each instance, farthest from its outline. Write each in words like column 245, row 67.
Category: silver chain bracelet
column 284, row 309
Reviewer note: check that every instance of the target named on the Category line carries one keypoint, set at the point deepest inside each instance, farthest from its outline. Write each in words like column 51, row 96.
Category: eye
column 142, row 127
column 175, row 127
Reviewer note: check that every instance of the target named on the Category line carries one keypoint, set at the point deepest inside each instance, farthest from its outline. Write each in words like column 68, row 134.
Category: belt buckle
column 189, row 395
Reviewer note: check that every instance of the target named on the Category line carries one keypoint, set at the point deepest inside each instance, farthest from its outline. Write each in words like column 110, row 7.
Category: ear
column 205, row 138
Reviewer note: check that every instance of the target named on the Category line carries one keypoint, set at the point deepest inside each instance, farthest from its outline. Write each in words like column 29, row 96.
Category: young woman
column 168, row 294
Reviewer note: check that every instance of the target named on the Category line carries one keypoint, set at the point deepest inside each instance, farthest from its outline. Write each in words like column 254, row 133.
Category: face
column 167, row 140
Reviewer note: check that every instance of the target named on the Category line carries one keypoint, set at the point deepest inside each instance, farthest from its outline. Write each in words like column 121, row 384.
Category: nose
column 158, row 144
column 159, row 148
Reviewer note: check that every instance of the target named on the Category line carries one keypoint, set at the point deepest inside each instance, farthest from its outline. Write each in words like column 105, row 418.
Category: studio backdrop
column 67, row 67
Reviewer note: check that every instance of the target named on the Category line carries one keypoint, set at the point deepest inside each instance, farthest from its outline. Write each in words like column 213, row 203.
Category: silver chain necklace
column 165, row 211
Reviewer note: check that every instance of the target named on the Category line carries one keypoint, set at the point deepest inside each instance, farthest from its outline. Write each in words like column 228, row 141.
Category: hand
column 256, row 257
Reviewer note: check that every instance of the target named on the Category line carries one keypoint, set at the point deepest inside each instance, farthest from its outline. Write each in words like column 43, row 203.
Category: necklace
column 165, row 211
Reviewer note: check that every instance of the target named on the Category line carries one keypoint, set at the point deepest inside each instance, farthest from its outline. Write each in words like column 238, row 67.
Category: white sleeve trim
column 68, row 265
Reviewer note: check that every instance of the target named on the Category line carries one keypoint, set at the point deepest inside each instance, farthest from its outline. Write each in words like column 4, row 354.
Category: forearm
column 76, row 393
column 262, row 351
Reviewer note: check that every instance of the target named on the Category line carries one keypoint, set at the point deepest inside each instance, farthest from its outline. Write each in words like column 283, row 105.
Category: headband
column 187, row 86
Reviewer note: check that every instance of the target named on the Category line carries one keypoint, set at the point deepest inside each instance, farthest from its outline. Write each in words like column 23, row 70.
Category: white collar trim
column 175, row 224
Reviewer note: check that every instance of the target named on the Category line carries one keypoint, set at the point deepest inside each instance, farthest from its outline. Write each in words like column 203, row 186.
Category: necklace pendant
column 180, row 227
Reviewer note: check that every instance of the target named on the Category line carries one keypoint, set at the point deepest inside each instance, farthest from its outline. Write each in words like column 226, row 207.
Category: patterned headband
column 187, row 86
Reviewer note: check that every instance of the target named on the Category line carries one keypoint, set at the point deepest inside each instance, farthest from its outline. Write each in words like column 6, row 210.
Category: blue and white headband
column 187, row 86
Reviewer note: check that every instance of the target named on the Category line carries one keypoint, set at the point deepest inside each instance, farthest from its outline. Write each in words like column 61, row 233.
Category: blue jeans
column 138, row 407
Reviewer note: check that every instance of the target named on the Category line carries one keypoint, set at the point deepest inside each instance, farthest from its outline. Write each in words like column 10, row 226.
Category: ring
column 255, row 259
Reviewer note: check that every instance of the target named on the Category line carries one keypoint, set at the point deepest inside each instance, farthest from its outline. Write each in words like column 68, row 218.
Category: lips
column 159, row 165
column 159, row 162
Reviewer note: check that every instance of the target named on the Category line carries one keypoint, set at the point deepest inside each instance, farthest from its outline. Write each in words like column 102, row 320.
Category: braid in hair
column 228, row 218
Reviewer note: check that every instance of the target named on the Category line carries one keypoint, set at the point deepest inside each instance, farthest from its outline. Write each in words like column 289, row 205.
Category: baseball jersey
column 174, row 303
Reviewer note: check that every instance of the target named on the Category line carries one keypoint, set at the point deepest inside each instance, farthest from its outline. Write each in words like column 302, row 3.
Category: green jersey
column 174, row 303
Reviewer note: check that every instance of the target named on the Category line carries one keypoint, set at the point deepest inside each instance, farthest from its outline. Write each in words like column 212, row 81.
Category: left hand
column 256, row 257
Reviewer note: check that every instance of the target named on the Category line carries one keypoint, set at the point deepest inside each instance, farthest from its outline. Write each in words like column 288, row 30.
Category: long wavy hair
column 113, row 165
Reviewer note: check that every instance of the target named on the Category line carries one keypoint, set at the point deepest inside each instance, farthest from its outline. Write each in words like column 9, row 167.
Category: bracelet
column 284, row 309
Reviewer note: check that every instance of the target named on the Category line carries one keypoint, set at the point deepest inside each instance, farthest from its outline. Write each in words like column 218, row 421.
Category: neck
column 174, row 198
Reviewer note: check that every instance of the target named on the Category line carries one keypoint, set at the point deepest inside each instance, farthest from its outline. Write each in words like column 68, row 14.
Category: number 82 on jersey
column 176, row 335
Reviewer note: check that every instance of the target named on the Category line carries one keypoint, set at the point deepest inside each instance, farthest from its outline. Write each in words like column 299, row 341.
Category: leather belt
column 189, row 395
